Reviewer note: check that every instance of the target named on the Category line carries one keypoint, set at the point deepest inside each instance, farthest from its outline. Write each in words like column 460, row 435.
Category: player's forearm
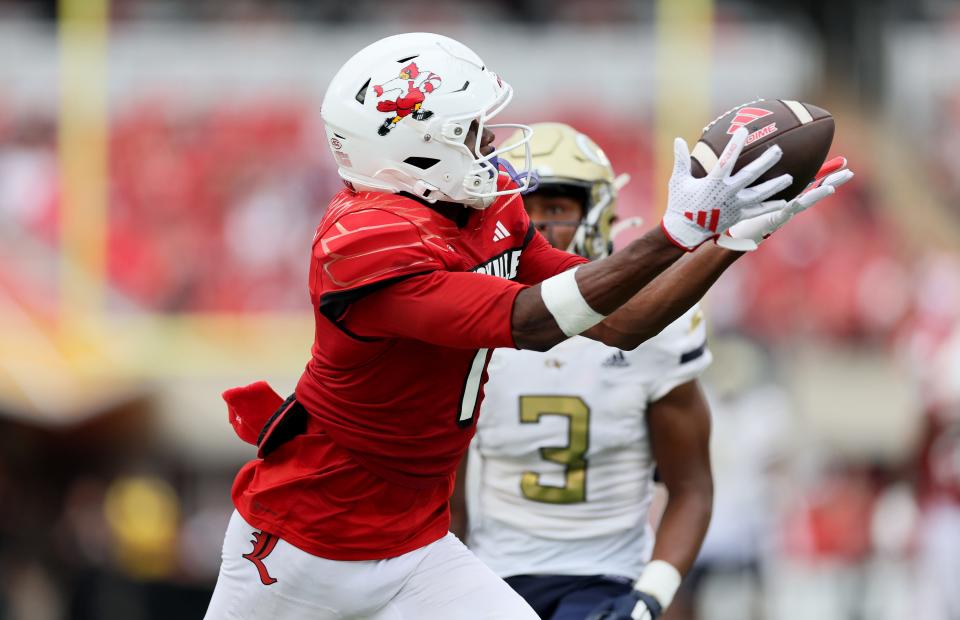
column 667, row 297
column 609, row 283
column 684, row 525
column 605, row 285
column 679, row 424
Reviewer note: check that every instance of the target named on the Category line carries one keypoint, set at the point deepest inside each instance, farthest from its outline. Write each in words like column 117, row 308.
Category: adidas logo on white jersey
column 501, row 232
column 617, row 360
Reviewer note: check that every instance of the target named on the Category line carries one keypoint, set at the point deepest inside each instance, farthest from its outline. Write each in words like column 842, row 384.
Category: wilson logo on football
column 745, row 116
column 404, row 96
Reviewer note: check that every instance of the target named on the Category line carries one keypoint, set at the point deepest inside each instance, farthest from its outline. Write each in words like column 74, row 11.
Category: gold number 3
column 574, row 490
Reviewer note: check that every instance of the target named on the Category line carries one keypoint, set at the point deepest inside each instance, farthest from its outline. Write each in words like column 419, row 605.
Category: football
column 803, row 131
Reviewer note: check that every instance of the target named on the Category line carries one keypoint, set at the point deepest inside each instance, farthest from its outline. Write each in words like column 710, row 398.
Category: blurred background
column 162, row 169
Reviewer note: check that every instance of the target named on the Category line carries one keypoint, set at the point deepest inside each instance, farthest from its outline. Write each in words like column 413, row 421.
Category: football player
column 560, row 475
column 563, row 461
column 420, row 267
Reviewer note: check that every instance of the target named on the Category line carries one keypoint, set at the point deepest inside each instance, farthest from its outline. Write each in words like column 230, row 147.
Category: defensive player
column 563, row 460
column 561, row 471
column 420, row 267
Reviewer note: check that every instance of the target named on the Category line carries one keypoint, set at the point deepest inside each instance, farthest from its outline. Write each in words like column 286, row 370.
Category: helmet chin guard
column 397, row 115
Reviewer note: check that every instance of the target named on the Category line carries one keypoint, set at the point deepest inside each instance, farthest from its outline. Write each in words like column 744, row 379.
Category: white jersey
column 560, row 475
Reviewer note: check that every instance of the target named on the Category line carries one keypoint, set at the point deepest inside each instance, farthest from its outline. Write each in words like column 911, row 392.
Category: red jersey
column 409, row 300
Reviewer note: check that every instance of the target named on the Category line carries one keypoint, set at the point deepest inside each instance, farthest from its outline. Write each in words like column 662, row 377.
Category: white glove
column 745, row 236
column 702, row 209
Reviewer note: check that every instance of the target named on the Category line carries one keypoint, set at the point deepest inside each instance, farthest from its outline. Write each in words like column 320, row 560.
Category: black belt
column 288, row 421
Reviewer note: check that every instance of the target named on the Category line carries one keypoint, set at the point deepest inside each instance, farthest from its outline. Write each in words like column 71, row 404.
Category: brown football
column 803, row 131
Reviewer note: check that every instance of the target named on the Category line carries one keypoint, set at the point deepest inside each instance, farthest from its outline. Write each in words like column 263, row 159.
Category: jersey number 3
column 571, row 456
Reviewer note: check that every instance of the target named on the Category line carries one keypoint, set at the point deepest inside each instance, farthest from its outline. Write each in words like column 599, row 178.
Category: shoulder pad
column 370, row 245
column 683, row 341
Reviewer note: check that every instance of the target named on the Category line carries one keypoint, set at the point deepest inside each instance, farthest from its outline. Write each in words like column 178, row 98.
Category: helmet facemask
column 480, row 182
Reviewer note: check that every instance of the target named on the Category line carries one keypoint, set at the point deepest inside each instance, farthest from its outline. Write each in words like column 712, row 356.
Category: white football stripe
column 705, row 155
column 802, row 114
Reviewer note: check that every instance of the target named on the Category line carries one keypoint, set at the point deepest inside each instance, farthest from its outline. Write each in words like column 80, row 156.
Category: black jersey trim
column 531, row 231
column 693, row 354
column 334, row 305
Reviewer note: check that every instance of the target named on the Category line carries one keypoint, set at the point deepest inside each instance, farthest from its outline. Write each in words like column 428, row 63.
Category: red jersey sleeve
column 361, row 252
column 541, row 260
column 454, row 309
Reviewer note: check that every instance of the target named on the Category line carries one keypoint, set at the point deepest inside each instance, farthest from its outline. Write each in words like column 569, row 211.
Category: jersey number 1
column 571, row 456
column 471, row 389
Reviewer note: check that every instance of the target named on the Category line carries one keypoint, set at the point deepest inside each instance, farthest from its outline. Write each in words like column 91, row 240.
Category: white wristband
column 660, row 580
column 562, row 297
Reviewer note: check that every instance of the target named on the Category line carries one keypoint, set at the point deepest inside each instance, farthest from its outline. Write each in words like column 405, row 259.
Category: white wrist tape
column 562, row 297
column 660, row 580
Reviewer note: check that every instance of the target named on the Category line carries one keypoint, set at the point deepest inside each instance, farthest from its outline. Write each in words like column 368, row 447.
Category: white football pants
column 263, row 577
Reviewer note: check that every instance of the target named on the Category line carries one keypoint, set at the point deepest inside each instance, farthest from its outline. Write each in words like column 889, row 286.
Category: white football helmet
column 397, row 115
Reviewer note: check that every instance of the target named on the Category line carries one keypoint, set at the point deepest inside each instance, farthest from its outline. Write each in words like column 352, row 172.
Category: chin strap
column 517, row 177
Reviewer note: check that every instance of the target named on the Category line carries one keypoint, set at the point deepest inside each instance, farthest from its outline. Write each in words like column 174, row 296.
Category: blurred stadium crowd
column 836, row 392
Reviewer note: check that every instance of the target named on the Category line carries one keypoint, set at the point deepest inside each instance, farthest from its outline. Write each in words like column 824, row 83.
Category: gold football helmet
column 562, row 156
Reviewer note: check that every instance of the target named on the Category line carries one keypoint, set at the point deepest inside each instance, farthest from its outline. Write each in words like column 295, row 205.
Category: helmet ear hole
column 361, row 96
column 423, row 163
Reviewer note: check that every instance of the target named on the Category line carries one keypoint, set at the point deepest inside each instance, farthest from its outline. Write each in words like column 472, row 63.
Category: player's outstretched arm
column 667, row 297
column 698, row 210
column 571, row 302
column 679, row 426
column 689, row 279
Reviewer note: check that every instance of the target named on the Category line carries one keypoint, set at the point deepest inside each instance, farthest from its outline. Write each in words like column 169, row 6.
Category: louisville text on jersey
column 503, row 265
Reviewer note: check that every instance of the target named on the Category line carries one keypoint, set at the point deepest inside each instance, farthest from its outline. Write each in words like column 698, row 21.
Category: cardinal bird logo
column 263, row 544
column 404, row 96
